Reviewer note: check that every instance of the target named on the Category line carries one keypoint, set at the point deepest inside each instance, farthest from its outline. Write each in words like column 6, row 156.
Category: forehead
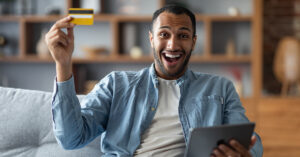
column 173, row 21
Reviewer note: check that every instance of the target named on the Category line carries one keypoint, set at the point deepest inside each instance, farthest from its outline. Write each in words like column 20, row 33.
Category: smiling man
column 172, row 38
column 150, row 112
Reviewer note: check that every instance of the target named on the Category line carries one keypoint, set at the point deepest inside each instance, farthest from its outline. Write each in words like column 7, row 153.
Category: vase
column 42, row 48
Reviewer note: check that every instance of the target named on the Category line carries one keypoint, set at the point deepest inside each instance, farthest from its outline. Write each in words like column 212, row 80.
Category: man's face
column 172, row 41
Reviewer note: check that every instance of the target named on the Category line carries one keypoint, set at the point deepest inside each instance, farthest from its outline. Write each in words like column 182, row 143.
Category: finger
column 213, row 155
column 62, row 34
column 71, row 33
column 58, row 34
column 253, row 141
column 65, row 19
column 238, row 147
column 55, row 33
column 63, row 23
column 227, row 150
column 50, row 35
column 218, row 153
column 58, row 40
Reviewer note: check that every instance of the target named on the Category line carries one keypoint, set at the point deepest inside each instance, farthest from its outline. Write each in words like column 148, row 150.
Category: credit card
column 82, row 16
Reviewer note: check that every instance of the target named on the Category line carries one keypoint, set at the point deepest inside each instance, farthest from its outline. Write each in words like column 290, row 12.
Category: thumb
column 253, row 141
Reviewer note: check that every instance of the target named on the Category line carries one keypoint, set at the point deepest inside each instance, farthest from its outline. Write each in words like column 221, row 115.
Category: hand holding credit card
column 82, row 16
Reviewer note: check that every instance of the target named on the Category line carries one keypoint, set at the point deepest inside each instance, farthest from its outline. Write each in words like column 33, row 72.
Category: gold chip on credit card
column 82, row 16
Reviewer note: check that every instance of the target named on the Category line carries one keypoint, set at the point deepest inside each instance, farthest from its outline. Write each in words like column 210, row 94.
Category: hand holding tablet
column 203, row 141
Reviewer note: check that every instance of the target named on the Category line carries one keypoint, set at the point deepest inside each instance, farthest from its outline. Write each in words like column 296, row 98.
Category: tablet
column 202, row 141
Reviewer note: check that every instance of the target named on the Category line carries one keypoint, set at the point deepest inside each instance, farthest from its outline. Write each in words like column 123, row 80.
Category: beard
column 163, row 69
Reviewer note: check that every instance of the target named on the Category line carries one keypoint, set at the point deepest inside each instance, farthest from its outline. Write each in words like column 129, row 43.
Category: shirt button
column 152, row 108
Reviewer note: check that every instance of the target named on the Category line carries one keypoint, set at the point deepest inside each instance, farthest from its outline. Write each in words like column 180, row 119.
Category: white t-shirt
column 164, row 137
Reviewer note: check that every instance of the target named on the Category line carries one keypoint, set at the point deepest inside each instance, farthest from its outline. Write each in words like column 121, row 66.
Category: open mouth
column 172, row 58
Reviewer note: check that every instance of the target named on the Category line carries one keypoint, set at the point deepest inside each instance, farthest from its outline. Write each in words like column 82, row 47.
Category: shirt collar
column 155, row 81
column 153, row 75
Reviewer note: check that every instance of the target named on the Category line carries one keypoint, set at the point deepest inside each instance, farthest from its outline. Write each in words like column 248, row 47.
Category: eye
column 164, row 35
column 183, row 36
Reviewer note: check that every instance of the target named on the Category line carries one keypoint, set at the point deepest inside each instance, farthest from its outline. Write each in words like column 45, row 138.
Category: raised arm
column 61, row 46
column 74, row 124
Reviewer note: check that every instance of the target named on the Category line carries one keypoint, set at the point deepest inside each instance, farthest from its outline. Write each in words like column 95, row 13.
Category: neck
column 160, row 74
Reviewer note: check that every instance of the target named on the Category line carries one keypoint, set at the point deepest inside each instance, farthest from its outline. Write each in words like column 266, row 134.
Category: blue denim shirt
column 122, row 105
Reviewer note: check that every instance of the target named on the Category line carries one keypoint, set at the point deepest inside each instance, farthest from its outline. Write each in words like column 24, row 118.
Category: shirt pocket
column 205, row 111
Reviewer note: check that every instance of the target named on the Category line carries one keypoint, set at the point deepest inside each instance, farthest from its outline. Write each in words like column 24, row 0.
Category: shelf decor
column 230, row 48
column 2, row 44
column 128, row 7
column 94, row 51
column 92, row 4
column 233, row 11
column 287, row 63
column 41, row 47
column 136, row 52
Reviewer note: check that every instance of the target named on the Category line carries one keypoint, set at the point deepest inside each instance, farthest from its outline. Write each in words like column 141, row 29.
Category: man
column 150, row 112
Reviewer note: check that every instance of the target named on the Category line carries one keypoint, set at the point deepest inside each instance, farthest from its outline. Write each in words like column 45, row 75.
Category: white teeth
column 172, row 56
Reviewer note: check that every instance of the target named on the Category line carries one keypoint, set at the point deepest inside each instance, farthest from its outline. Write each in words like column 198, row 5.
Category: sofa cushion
column 26, row 126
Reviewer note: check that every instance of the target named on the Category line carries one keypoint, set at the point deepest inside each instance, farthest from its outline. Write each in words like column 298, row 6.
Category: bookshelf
column 113, row 26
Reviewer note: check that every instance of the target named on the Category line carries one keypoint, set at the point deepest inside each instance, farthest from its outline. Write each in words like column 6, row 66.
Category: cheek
column 158, row 44
column 188, row 45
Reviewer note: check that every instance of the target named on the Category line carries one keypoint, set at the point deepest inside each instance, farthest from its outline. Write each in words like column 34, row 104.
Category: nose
column 173, row 44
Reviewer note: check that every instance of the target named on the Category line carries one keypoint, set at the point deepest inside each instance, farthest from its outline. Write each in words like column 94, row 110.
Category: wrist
column 63, row 72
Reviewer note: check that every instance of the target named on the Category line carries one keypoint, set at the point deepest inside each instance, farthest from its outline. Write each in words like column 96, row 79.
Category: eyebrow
column 181, row 28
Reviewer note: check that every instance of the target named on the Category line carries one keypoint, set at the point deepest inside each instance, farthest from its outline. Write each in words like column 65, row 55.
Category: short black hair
column 175, row 9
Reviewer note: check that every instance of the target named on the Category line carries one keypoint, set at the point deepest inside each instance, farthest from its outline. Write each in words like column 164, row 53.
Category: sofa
column 26, row 127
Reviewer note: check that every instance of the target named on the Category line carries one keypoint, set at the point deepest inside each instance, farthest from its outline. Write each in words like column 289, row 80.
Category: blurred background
column 254, row 43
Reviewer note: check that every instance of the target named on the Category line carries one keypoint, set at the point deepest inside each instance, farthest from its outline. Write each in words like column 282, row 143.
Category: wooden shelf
column 131, row 18
column 103, row 17
column 220, row 59
column 10, row 18
column 120, row 18
column 128, row 59
column 76, row 60
column 114, row 59
column 41, row 19
column 26, row 59
column 30, row 18
column 97, row 17
column 214, row 18
column 117, row 27
column 230, row 18
column 279, row 97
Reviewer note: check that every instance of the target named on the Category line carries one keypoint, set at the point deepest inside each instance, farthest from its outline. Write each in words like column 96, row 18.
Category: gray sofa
column 26, row 127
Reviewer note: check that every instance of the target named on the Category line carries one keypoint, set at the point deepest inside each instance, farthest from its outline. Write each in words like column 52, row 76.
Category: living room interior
column 253, row 43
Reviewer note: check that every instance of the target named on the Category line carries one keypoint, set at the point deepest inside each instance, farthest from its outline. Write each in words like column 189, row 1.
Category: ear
column 194, row 41
column 151, row 39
